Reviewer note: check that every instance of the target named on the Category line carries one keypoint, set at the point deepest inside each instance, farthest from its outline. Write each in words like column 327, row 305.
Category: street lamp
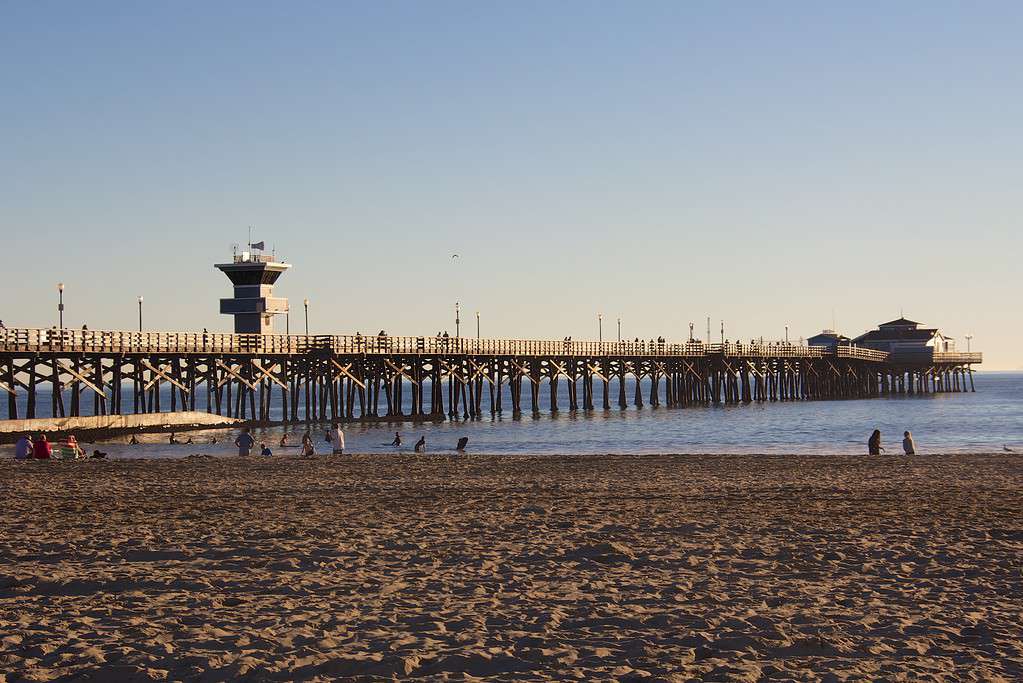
column 600, row 327
column 691, row 332
column 458, row 322
column 140, row 313
column 722, row 331
column 968, row 338
column 477, row 325
column 619, row 329
column 305, row 302
column 60, row 303
column 786, row 334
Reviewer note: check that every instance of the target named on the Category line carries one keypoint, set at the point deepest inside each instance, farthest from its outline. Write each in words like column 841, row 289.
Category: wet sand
column 441, row 567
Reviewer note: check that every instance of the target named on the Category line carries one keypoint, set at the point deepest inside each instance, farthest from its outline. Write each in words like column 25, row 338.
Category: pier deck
column 324, row 377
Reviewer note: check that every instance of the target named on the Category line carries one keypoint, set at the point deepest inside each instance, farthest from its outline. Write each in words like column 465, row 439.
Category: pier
column 342, row 377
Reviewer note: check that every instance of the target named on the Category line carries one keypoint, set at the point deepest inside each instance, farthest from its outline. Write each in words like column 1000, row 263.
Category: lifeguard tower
column 253, row 275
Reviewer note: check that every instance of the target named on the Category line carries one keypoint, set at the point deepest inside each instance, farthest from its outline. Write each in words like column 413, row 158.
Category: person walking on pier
column 339, row 439
column 244, row 442
column 874, row 443
column 908, row 445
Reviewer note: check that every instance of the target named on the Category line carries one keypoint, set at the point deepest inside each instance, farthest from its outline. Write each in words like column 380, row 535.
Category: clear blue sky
column 761, row 163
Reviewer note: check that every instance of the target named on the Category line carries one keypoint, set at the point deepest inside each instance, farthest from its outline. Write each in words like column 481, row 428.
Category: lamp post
column 140, row 313
column 305, row 302
column 722, row 331
column 619, row 329
column 477, row 325
column 968, row 338
column 690, row 331
column 287, row 320
column 458, row 322
column 786, row 334
column 60, row 303
column 600, row 327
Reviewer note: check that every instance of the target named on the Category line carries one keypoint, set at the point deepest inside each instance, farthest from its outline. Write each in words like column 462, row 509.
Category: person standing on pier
column 874, row 443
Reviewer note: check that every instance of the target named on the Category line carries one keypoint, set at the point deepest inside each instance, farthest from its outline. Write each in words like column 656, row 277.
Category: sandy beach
column 521, row 568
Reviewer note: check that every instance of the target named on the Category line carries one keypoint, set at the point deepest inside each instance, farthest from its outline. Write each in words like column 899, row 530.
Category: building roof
column 916, row 334
column 901, row 322
column 830, row 334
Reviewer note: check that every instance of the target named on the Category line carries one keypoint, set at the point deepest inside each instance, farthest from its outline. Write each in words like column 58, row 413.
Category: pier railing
column 128, row 342
column 936, row 358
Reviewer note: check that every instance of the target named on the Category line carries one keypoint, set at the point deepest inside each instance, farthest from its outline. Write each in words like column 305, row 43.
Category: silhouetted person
column 397, row 440
column 98, row 455
column 421, row 444
column 462, row 443
column 874, row 443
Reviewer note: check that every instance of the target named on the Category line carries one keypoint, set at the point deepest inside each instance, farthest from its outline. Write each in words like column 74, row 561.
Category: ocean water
column 985, row 421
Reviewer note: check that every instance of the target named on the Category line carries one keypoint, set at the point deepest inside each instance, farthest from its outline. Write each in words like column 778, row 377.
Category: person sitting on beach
column 397, row 440
column 874, row 443
column 462, row 443
column 41, row 448
column 421, row 444
column 907, row 443
column 339, row 440
column 265, row 450
column 307, row 448
column 284, row 440
column 173, row 440
column 70, row 450
column 23, row 449
column 244, row 442
column 134, row 441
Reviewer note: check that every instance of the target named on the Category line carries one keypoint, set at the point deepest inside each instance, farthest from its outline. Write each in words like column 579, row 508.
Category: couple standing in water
column 874, row 443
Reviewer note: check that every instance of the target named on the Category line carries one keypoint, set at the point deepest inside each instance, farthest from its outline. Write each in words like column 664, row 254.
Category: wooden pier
column 339, row 377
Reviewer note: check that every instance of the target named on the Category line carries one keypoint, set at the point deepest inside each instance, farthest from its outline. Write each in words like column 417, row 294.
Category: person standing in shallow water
column 397, row 440
column 339, row 439
column 244, row 442
column 421, row 444
column 874, row 443
column 908, row 445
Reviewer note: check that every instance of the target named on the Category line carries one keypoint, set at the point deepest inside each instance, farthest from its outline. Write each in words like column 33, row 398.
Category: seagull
column 454, row 256
column 1006, row 448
